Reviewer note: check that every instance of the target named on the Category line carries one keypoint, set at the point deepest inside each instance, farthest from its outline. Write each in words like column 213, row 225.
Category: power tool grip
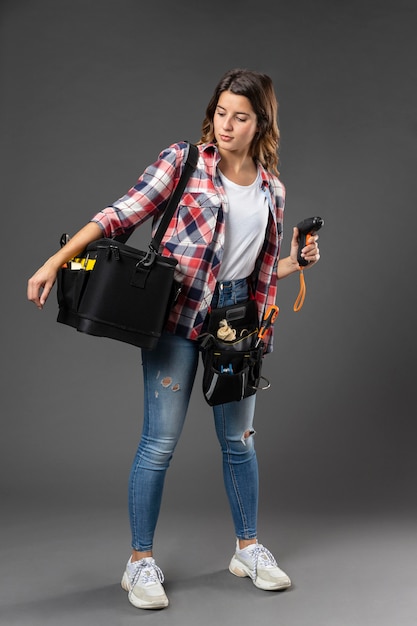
column 306, row 229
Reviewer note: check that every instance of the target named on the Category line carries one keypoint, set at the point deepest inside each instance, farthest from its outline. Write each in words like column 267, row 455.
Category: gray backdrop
column 91, row 91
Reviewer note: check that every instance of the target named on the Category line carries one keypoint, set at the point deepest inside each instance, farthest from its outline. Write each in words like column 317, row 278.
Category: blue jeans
column 169, row 372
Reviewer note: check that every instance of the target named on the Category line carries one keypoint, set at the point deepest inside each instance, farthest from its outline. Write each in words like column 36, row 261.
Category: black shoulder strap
column 189, row 167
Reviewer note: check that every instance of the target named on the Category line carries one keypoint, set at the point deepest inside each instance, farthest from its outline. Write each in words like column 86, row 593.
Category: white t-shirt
column 245, row 226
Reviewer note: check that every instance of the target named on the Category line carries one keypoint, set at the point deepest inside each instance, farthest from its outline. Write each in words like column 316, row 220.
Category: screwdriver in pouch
column 269, row 318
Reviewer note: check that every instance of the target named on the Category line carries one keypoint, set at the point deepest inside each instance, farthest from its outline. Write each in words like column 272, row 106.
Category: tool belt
column 232, row 354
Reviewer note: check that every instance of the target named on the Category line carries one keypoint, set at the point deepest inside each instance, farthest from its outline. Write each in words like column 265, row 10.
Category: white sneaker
column 142, row 580
column 258, row 563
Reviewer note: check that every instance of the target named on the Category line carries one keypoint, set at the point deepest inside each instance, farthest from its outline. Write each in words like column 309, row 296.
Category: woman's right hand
column 41, row 283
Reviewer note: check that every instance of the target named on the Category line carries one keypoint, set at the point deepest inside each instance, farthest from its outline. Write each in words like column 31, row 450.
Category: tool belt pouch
column 232, row 368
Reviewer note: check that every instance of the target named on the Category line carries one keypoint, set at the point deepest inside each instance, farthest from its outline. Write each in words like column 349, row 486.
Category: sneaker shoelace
column 152, row 573
column 262, row 554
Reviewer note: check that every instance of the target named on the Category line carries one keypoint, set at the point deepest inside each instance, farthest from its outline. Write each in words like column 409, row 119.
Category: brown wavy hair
column 259, row 90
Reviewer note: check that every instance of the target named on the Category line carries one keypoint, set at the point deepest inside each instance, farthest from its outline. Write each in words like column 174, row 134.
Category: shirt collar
column 212, row 151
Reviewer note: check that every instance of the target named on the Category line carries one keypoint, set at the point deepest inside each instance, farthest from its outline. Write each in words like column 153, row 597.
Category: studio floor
column 63, row 565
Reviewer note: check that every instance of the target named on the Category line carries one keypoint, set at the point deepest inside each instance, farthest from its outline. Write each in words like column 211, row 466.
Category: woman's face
column 235, row 123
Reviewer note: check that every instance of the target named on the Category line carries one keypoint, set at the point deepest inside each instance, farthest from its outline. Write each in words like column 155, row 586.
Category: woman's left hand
column 310, row 252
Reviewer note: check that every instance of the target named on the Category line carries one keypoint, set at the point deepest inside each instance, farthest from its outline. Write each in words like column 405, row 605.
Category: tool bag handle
column 189, row 167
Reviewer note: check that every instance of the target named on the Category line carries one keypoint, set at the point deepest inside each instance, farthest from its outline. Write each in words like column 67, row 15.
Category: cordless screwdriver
column 307, row 228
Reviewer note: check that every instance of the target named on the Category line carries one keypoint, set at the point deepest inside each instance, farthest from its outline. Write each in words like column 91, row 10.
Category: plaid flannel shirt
column 195, row 235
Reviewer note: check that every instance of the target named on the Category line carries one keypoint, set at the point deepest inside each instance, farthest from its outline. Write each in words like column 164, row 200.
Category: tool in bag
column 114, row 290
column 232, row 366
column 269, row 319
column 307, row 229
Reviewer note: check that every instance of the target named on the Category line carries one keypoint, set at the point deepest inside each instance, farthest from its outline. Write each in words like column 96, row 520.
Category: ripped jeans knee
column 248, row 433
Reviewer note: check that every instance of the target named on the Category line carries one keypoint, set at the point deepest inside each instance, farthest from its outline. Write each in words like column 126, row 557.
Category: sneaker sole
column 237, row 568
column 158, row 603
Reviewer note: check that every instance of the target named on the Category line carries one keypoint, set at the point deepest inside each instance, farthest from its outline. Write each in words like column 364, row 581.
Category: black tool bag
column 232, row 368
column 126, row 296
column 114, row 290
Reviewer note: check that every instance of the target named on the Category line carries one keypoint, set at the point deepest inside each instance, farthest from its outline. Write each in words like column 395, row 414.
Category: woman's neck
column 238, row 169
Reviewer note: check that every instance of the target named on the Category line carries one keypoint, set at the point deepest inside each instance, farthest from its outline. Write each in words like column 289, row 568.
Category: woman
column 226, row 236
